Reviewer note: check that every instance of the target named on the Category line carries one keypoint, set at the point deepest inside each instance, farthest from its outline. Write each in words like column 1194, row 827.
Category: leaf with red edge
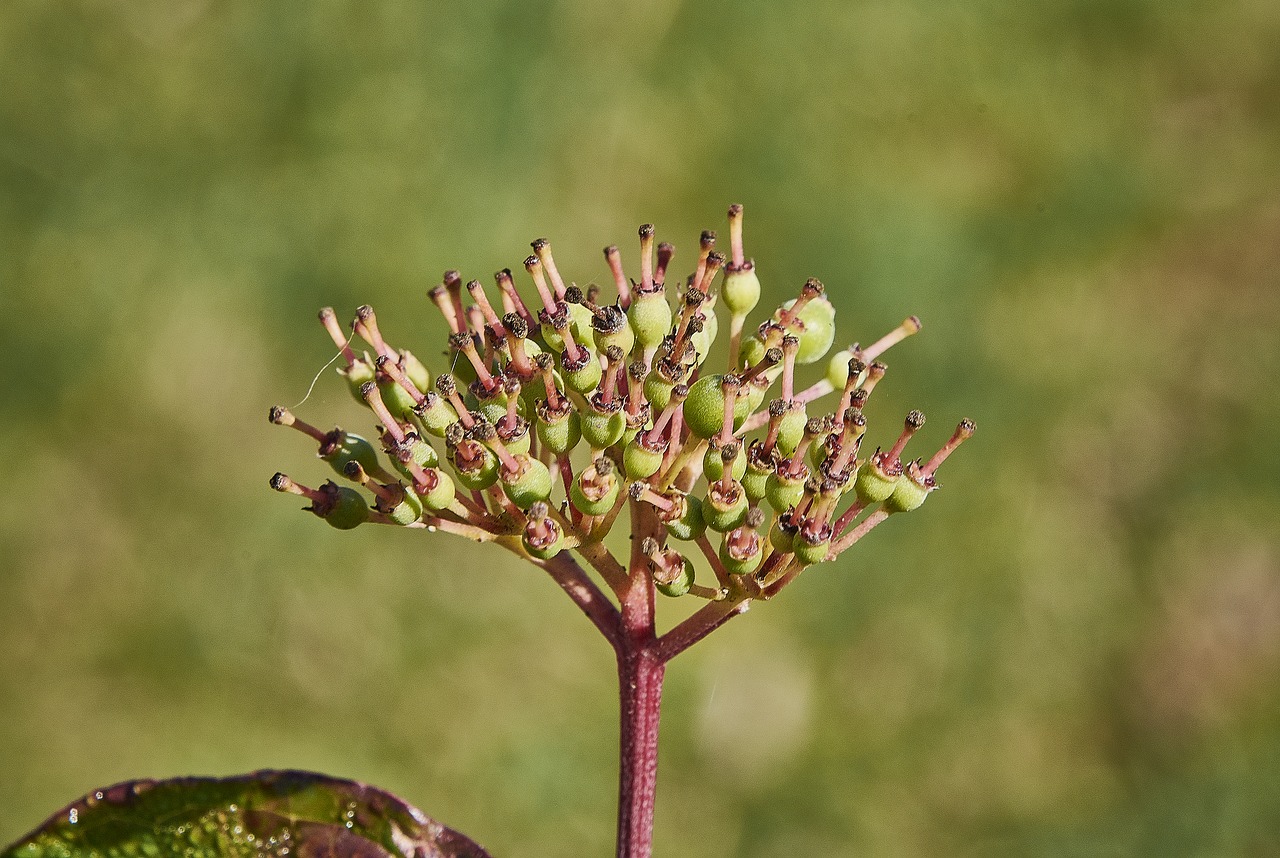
column 290, row 814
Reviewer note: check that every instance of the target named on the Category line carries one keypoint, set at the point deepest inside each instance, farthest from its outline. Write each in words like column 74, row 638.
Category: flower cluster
column 559, row 412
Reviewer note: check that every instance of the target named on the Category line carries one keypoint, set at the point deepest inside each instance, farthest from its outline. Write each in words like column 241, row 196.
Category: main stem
column 640, row 674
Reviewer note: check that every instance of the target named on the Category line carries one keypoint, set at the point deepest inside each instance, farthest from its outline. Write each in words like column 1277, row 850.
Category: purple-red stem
column 642, row 657
column 640, row 674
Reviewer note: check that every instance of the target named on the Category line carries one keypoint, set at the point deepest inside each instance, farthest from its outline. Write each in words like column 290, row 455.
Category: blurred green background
column 1072, row 650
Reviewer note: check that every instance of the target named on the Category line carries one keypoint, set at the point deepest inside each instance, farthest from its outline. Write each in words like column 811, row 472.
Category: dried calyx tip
column 516, row 325
column 280, row 415
column 915, row 419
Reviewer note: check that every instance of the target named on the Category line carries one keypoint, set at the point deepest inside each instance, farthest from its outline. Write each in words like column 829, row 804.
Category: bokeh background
column 1072, row 650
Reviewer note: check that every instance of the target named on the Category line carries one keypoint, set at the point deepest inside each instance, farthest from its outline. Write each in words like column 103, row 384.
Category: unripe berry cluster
column 559, row 412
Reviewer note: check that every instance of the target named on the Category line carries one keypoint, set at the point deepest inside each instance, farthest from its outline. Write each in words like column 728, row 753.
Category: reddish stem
column 640, row 674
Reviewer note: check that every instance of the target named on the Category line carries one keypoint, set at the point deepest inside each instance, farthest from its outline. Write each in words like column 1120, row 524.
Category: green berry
column 713, row 464
column 753, row 349
column 415, row 370
column 819, row 319
column 603, row 429
column 520, row 441
column 442, row 494
column 340, row 447
column 639, row 461
column 582, row 373
column 812, row 548
column 580, row 326
column 740, row 290
column 397, row 399
column 782, row 536
column 435, row 414
column 657, row 391
column 559, row 433
column 791, row 429
column 344, row 508
column 357, row 375
column 704, row 409
column 912, row 489
column 546, row 547
column 478, row 475
column 613, row 330
column 405, row 511
column 874, row 483
column 596, row 489
column 739, row 562
column 419, row 451
column 650, row 317
column 838, row 369
column 723, row 511
column 530, row 484
column 755, row 480
column 680, row 584
column 784, row 492
column 689, row 524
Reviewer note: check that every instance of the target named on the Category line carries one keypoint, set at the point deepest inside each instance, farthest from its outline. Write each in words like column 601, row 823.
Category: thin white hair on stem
column 321, row 372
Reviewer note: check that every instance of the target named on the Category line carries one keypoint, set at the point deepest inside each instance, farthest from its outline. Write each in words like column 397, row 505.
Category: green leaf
column 289, row 814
